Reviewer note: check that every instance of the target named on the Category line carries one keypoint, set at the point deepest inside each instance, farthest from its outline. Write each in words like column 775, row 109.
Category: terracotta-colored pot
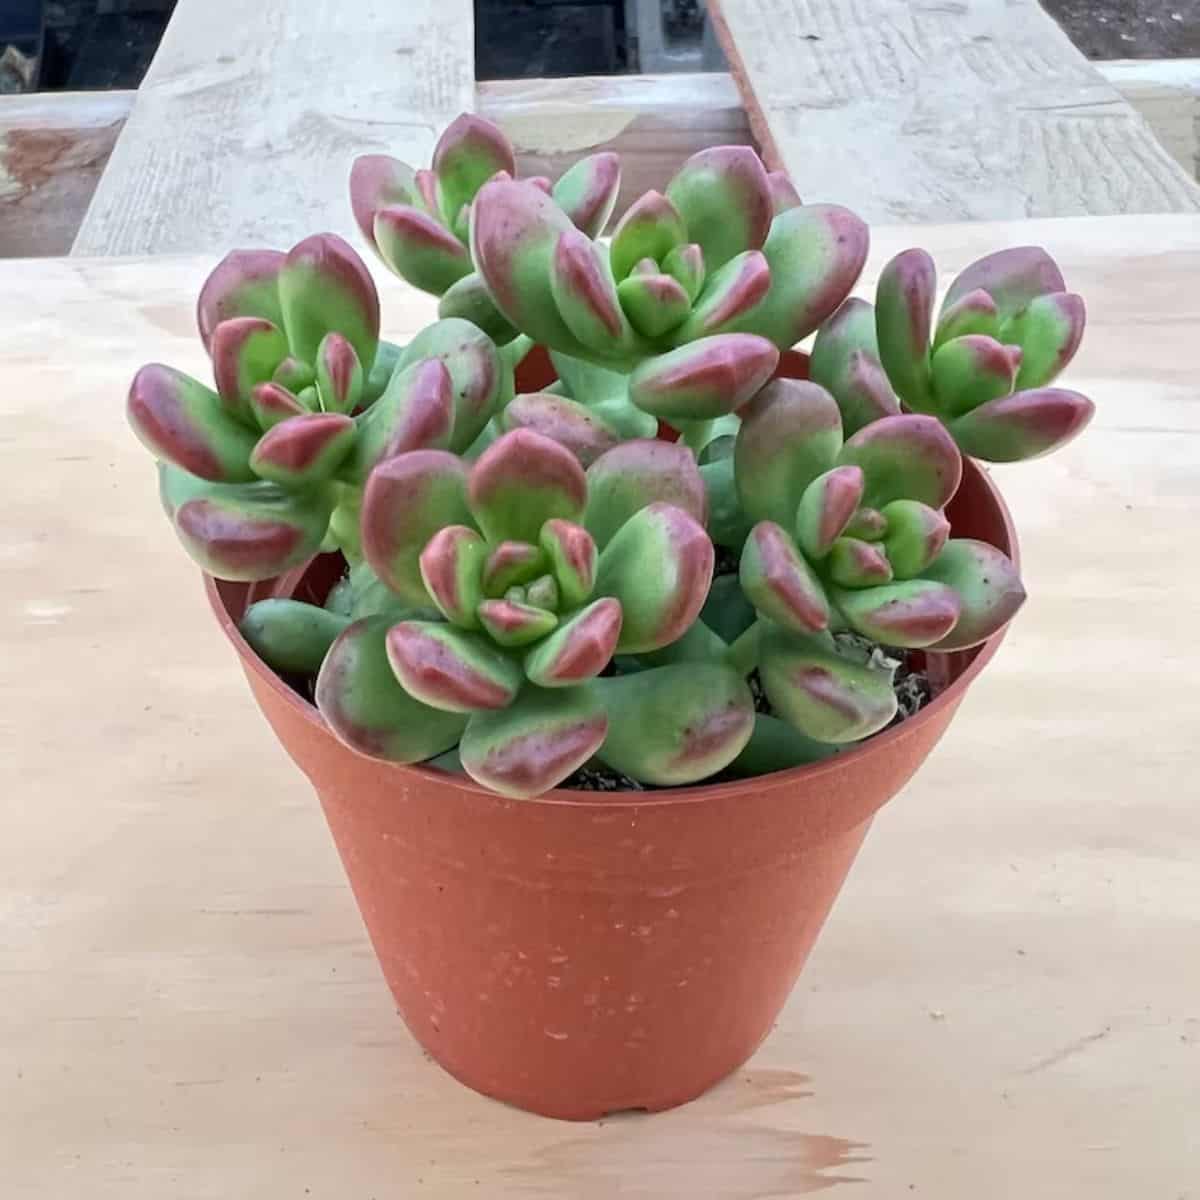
column 584, row 952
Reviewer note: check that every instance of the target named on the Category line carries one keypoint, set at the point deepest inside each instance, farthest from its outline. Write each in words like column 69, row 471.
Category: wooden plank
column 976, row 111
column 53, row 148
column 1006, row 989
column 1166, row 91
column 246, row 123
column 653, row 121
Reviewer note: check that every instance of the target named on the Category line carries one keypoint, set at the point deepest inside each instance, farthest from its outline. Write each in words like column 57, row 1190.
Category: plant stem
column 743, row 654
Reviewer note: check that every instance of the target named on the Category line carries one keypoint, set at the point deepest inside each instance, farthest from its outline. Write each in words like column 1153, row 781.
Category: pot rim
column 877, row 744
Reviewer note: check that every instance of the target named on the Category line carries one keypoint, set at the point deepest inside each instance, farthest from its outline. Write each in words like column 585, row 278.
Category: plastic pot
column 584, row 952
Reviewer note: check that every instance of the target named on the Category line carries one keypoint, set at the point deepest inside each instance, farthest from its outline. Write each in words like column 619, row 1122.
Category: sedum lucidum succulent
column 530, row 578
column 1007, row 328
column 525, row 576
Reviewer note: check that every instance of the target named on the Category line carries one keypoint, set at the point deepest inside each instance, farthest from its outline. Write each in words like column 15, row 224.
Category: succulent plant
column 531, row 576
column 850, row 534
column 418, row 221
column 529, row 581
column 1007, row 328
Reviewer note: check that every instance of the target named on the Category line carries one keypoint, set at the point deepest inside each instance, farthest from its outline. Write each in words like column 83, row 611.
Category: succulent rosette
column 718, row 253
column 531, row 576
column 261, row 470
column 1006, row 330
column 418, row 220
column 850, row 534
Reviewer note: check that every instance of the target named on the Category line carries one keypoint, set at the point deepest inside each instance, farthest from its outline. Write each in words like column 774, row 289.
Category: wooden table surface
column 1006, row 1001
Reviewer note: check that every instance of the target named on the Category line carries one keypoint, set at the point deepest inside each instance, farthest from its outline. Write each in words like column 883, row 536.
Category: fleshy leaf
column 304, row 450
column 704, row 379
column 379, row 181
column 243, row 284
column 246, row 351
column 294, row 374
column 915, row 536
column 271, row 403
column 686, row 264
column 415, row 412
column 470, row 151
column 543, row 738
column 451, row 567
column 634, row 474
column 654, row 303
column 783, row 192
column 791, row 433
column 729, row 294
column 845, row 361
column 974, row 312
column 513, row 622
column 1023, row 425
column 324, row 287
column 521, row 481
column 908, row 457
column 572, row 554
column 1011, row 277
column 1048, row 331
column 181, row 421
column 339, row 375
column 777, row 746
column 779, row 583
column 911, row 613
column 564, row 421
column 289, row 635
column 514, row 232
column 407, row 499
column 587, row 191
column 826, row 509
column 815, row 253
column 969, row 371
column 659, row 566
column 903, row 318
column 368, row 710
column 724, row 198
column 451, row 669
column 543, row 593
column 476, row 373
column 854, row 563
column 419, row 248
column 511, row 563
column 586, row 296
column 987, row 585
column 243, row 530
column 470, row 300
column 825, row 696
column 579, row 649
column 650, row 229
column 676, row 724
column 869, row 524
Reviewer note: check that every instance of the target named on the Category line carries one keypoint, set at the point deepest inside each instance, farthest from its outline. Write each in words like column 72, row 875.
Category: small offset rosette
column 1007, row 329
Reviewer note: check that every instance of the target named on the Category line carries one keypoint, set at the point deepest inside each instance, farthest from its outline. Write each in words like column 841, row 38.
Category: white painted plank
column 1166, row 91
column 245, row 126
column 958, row 109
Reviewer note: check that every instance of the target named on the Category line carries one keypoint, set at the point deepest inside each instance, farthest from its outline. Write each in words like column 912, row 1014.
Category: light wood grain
column 965, row 109
column 53, row 148
column 1166, row 91
column 1003, row 1004
column 244, row 129
column 654, row 122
